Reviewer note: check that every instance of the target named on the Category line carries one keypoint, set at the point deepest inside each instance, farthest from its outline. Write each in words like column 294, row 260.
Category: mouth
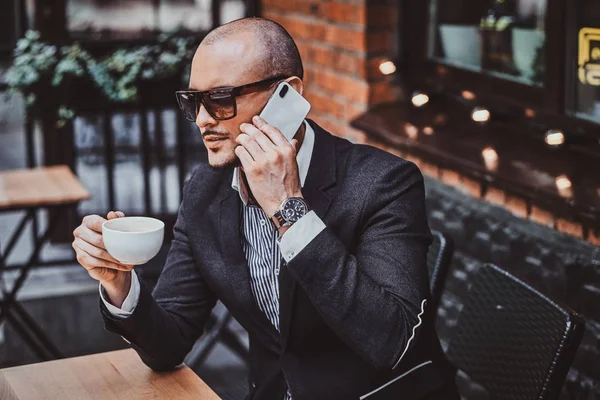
column 214, row 142
column 214, row 138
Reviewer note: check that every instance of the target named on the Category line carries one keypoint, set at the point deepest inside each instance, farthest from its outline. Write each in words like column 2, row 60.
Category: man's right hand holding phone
column 114, row 277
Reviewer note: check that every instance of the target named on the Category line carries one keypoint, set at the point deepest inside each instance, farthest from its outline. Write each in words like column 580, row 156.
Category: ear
column 296, row 83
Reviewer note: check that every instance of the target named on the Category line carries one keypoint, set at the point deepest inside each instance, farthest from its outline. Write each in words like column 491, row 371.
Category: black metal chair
column 512, row 340
column 438, row 263
column 218, row 330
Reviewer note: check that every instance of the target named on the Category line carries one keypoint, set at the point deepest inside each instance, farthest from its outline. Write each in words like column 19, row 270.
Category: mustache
column 215, row 133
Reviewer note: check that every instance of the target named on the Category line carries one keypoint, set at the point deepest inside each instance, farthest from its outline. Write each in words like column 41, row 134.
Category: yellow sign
column 589, row 56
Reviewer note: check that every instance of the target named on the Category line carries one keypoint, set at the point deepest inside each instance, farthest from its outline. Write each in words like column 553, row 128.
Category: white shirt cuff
column 130, row 301
column 299, row 235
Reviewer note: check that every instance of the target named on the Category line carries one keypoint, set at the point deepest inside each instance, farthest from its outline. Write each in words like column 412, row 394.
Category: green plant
column 39, row 67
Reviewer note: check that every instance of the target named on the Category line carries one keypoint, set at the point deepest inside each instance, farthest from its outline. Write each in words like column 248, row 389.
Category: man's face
column 231, row 61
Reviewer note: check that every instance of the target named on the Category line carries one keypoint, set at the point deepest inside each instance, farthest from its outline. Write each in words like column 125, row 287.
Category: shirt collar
column 303, row 158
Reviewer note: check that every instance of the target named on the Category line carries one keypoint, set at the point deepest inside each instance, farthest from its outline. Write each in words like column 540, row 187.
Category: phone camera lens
column 283, row 91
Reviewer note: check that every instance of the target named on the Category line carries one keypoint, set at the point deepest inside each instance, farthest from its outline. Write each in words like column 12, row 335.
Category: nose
column 204, row 120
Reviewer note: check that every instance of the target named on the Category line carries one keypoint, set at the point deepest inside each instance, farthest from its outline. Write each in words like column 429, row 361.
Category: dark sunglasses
column 219, row 102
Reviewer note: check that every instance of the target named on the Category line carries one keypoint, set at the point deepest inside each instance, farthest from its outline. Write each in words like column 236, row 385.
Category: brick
column 351, row 111
column 323, row 56
column 382, row 15
column 305, row 7
column 352, row 63
column 306, row 51
column 353, row 89
column 318, row 31
column 328, row 80
column 300, row 28
column 542, row 217
column 449, row 177
column 274, row 16
column 269, row 13
column 470, row 186
column 495, row 195
column 516, row 206
column 326, row 105
column 332, row 126
column 309, row 76
column 569, row 227
column 345, row 38
column 345, row 13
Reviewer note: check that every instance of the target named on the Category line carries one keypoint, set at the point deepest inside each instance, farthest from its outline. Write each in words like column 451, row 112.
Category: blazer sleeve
column 373, row 296
column 166, row 323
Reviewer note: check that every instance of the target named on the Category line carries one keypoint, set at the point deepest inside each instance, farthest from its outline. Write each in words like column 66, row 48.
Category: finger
column 261, row 138
column 95, row 251
column 273, row 133
column 251, row 145
column 93, row 222
column 90, row 262
column 245, row 157
column 115, row 214
column 295, row 143
column 91, row 237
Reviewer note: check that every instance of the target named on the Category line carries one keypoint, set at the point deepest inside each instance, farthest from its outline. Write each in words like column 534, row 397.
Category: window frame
column 430, row 73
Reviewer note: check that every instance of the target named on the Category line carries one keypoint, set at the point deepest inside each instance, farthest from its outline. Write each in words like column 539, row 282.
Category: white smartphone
column 286, row 110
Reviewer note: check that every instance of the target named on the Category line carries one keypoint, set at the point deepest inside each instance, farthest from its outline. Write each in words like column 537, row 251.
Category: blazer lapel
column 237, row 271
column 318, row 191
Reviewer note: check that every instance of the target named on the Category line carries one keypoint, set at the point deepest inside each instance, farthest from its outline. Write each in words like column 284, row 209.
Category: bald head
column 276, row 51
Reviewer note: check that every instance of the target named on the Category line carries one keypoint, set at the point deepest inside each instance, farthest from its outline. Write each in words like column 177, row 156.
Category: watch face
column 294, row 209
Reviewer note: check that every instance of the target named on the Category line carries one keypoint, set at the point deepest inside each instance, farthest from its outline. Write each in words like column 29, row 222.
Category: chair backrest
column 438, row 263
column 512, row 340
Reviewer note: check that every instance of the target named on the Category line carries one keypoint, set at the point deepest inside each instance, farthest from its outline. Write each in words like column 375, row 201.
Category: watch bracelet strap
column 278, row 220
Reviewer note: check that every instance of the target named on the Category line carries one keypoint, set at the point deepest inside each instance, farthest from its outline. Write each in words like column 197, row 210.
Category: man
column 331, row 285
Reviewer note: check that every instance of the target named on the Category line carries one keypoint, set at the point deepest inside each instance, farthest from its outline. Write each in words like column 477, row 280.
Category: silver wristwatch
column 290, row 211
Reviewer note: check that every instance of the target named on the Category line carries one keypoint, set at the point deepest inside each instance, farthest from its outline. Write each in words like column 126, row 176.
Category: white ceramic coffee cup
column 133, row 240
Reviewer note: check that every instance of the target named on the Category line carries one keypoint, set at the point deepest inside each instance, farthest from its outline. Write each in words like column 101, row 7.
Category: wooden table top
column 45, row 186
column 114, row 375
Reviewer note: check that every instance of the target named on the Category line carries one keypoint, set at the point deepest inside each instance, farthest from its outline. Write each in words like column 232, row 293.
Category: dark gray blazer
column 350, row 301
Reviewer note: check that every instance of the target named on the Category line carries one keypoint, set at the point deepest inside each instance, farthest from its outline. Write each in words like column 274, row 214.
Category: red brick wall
column 342, row 44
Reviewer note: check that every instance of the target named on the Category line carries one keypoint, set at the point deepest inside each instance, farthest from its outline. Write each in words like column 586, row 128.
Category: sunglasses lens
column 187, row 103
column 220, row 105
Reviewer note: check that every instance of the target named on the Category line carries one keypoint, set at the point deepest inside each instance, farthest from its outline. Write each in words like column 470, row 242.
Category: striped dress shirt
column 259, row 241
